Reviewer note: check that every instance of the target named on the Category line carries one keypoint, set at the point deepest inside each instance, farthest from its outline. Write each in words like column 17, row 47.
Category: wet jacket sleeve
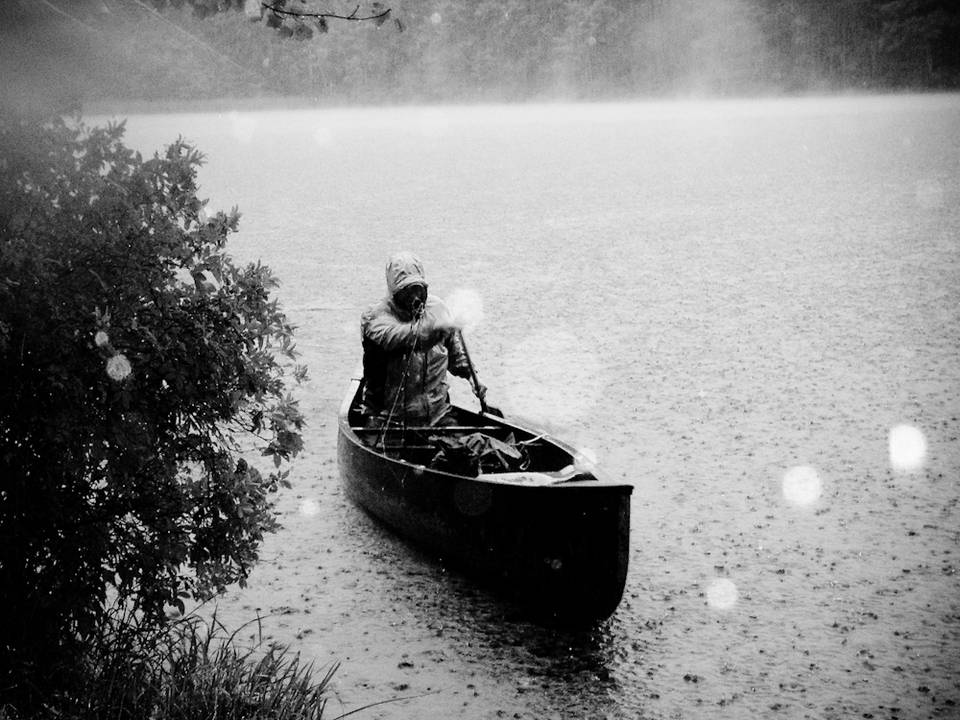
column 458, row 363
column 390, row 333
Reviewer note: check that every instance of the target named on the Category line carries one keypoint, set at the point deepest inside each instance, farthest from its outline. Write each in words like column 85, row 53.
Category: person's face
column 412, row 298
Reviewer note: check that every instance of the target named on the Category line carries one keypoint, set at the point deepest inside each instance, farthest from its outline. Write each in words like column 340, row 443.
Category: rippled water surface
column 750, row 310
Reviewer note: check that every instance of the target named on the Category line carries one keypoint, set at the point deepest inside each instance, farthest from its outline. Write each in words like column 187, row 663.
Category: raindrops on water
column 554, row 376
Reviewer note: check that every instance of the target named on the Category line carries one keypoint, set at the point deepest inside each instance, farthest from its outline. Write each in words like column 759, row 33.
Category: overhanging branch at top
column 300, row 23
column 379, row 16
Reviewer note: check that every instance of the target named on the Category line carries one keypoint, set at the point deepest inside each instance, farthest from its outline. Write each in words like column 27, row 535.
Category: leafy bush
column 135, row 357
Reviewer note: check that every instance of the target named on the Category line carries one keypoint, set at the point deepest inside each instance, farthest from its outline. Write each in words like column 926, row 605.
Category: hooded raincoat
column 405, row 358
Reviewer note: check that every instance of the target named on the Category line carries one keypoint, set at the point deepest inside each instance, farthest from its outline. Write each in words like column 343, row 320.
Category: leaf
column 302, row 31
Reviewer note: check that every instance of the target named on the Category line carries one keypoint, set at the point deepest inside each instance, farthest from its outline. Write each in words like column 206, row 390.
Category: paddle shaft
column 474, row 380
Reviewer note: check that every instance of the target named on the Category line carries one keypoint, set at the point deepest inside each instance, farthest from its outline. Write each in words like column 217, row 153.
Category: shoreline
column 267, row 103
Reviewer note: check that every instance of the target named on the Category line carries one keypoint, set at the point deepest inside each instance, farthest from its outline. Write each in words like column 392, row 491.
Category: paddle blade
column 491, row 410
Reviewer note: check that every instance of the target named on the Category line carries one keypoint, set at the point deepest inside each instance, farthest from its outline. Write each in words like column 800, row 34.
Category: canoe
column 554, row 536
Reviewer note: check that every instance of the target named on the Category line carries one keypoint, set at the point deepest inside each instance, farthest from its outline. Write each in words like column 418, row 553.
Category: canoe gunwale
column 563, row 479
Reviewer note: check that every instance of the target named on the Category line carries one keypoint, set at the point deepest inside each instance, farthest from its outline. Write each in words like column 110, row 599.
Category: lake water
column 750, row 310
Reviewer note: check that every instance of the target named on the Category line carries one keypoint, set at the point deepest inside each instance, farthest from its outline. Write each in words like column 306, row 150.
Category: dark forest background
column 480, row 50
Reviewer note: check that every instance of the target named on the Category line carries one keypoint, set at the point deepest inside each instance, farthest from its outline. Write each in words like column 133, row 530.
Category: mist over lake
column 748, row 309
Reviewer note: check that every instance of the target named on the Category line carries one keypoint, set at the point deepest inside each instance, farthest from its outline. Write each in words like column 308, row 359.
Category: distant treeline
column 528, row 49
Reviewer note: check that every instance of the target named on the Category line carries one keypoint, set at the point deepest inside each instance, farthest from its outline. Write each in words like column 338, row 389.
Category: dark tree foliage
column 920, row 40
column 138, row 365
column 615, row 46
column 483, row 50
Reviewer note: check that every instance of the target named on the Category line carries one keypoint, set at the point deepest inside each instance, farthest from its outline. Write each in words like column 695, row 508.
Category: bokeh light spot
column 466, row 307
column 802, row 485
column 722, row 594
column 118, row 367
column 472, row 499
column 309, row 508
column 908, row 448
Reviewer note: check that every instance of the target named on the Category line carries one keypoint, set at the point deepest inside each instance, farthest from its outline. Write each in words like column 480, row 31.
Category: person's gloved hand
column 433, row 330
column 460, row 367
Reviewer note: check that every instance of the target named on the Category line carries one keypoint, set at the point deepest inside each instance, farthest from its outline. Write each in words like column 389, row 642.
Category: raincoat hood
column 404, row 269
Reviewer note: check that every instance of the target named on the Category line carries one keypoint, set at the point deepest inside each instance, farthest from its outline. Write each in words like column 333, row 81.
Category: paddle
column 478, row 389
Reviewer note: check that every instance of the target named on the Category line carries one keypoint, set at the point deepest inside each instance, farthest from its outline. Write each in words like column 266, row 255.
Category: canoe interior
column 411, row 444
column 555, row 536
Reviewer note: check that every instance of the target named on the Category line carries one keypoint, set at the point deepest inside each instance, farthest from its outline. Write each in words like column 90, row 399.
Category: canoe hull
column 562, row 549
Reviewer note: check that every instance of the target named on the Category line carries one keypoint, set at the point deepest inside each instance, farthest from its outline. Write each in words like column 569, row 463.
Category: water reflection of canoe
column 554, row 536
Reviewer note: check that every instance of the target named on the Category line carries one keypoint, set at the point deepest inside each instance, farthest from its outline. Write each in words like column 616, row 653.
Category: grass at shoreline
column 191, row 668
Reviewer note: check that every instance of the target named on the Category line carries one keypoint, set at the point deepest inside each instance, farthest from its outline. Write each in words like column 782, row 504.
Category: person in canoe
column 410, row 342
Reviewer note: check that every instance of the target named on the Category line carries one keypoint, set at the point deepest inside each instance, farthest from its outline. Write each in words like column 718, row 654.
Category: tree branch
column 324, row 15
column 67, row 15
